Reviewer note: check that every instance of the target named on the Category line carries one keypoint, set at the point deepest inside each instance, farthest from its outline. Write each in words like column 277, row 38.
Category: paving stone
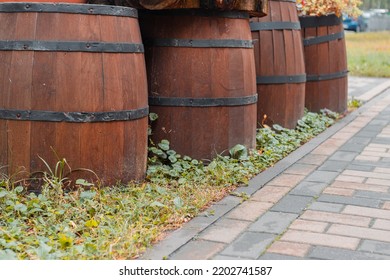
column 360, row 167
column 352, row 179
column 375, row 247
column 227, row 258
column 322, row 176
column 367, row 212
column 306, row 225
column 372, row 175
column 381, row 224
column 224, row 230
column 360, row 201
column 360, row 232
column 352, row 147
column 386, row 205
column 249, row 245
column 272, row 256
column 301, row 169
column 366, row 133
column 222, row 207
column 309, row 188
column 313, row 159
column 372, row 127
column 197, row 250
column 333, row 165
column 289, row 248
column 370, row 194
column 273, row 222
column 292, row 204
column 344, row 156
column 249, row 210
column 321, row 239
column 359, row 186
column 326, row 253
column 339, row 191
column 381, row 182
column 327, row 207
column 270, row 194
column 335, row 218
column 360, row 140
column 287, row 180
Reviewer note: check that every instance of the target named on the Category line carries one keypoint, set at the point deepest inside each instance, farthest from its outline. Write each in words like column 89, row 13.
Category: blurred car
column 357, row 25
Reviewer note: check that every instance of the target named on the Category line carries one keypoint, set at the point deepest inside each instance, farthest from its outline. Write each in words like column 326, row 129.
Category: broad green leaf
column 153, row 116
column 7, row 254
column 20, row 207
column 84, row 183
column 65, row 241
column 157, row 204
column 178, row 202
column 91, row 223
column 3, row 194
column 87, row 195
column 164, row 145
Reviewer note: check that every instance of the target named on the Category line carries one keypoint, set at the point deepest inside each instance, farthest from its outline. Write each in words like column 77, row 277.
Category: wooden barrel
column 201, row 78
column 73, row 85
column 326, row 63
column 280, row 65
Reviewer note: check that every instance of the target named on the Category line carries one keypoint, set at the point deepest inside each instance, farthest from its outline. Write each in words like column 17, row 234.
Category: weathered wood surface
column 200, row 72
column 61, row 81
column 279, row 55
column 254, row 7
column 326, row 65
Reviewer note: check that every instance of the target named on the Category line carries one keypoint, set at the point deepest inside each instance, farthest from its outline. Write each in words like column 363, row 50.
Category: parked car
column 357, row 25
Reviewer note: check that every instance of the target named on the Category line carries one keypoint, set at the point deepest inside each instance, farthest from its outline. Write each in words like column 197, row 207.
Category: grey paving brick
column 373, row 127
column 366, row 133
column 223, row 257
column 381, row 123
column 327, row 253
column 309, row 188
column 361, row 167
column 327, row 207
column 343, row 156
column 249, row 245
column 273, row 222
column 375, row 247
column 197, row 250
column 292, row 204
column 376, row 195
column 333, row 165
column 360, row 140
column 272, row 256
column 380, row 140
column 360, row 201
column 352, row 147
column 322, row 176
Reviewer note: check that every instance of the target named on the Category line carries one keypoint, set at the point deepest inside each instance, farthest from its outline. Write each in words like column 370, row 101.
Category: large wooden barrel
column 201, row 78
column 326, row 63
column 73, row 85
column 280, row 65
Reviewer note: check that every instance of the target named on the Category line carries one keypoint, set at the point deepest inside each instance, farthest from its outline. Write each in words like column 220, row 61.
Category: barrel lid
column 88, row 9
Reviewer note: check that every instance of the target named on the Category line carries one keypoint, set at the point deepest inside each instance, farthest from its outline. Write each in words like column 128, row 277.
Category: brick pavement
column 330, row 199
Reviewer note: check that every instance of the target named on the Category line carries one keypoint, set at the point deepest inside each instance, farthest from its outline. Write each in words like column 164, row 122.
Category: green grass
column 120, row 222
column 368, row 54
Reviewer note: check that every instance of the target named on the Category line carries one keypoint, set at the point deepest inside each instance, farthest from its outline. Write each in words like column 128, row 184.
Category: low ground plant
column 121, row 221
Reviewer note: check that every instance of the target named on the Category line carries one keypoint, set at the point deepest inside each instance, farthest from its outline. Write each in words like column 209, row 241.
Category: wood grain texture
column 200, row 132
column 279, row 52
column 324, row 59
column 254, row 7
column 73, row 82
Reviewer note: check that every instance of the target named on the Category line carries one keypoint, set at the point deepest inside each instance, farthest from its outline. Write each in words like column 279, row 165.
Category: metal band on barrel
column 324, row 77
column 202, row 102
column 73, row 117
column 69, row 9
column 323, row 39
column 71, row 46
column 195, row 43
column 293, row 79
column 276, row 25
column 314, row 21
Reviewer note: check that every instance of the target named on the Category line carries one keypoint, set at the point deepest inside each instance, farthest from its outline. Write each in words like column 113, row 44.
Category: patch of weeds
column 120, row 222
column 354, row 103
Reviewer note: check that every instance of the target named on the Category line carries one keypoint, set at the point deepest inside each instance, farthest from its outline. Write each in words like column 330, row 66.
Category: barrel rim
column 318, row 21
column 87, row 9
